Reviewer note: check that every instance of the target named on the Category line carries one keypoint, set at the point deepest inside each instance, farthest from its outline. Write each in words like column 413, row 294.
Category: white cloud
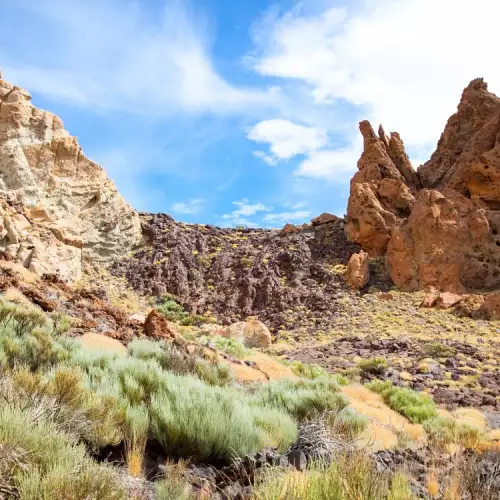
column 115, row 55
column 269, row 159
column 189, row 207
column 284, row 217
column 245, row 209
column 403, row 62
column 286, row 139
column 239, row 216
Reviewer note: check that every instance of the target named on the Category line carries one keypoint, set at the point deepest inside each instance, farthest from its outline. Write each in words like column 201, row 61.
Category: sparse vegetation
column 232, row 347
column 174, row 312
column 418, row 407
column 446, row 430
column 351, row 477
column 373, row 366
column 438, row 350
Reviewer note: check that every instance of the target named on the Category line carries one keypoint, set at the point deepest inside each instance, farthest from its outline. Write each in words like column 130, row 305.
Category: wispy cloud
column 112, row 55
column 286, row 139
column 371, row 56
column 246, row 209
column 188, row 207
column 284, row 217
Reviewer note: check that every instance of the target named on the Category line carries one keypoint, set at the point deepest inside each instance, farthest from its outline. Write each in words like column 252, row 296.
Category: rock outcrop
column 357, row 274
column 58, row 207
column 438, row 227
column 286, row 279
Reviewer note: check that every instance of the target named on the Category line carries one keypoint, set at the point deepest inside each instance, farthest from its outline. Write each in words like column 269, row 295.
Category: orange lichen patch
column 244, row 373
column 101, row 343
column 385, row 424
column 472, row 417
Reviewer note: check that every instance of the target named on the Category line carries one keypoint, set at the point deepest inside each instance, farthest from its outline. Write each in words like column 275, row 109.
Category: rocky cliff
column 438, row 227
column 57, row 208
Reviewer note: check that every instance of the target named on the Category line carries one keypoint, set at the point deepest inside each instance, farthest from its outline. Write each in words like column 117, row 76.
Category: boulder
column 357, row 274
column 289, row 229
column 441, row 300
column 324, row 218
column 251, row 333
column 158, row 327
column 490, row 308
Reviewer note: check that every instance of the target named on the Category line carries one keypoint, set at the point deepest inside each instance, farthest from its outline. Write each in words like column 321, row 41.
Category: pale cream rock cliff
column 58, row 207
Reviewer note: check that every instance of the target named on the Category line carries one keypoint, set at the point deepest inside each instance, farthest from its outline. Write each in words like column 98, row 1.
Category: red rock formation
column 357, row 274
column 382, row 191
column 439, row 227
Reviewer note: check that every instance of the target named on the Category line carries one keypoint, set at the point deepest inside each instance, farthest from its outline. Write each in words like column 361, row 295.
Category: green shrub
column 213, row 373
column 173, row 311
column 190, row 418
column 307, row 370
column 446, row 430
column 374, row 366
column 351, row 477
column 302, row 398
column 232, row 347
column 438, row 350
column 416, row 406
column 45, row 463
column 348, row 423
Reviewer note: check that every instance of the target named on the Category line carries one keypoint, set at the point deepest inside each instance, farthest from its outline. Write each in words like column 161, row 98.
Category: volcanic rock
column 324, row 218
column 58, row 207
column 438, row 227
column 357, row 274
column 382, row 191
column 251, row 333
column 157, row 327
column 287, row 279
column 443, row 300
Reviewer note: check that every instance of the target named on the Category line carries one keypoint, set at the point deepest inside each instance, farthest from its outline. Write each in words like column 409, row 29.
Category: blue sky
column 245, row 112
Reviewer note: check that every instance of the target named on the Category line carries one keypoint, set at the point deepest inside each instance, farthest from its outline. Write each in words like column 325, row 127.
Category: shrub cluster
column 418, row 407
column 188, row 405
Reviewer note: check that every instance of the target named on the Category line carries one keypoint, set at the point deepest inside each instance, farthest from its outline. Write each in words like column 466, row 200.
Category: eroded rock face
column 382, row 191
column 357, row 274
column 438, row 227
column 70, row 206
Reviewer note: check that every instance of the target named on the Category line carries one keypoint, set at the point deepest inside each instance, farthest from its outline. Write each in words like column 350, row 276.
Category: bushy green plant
column 416, row 406
column 351, row 477
column 374, row 366
column 446, row 430
column 302, row 398
column 174, row 311
column 42, row 462
column 348, row 423
column 232, row 347
column 190, row 418
column 438, row 350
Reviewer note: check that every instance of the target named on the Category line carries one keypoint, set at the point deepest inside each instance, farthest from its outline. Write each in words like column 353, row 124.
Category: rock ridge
column 438, row 227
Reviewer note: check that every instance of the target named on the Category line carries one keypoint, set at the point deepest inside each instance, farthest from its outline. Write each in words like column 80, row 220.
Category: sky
column 246, row 112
